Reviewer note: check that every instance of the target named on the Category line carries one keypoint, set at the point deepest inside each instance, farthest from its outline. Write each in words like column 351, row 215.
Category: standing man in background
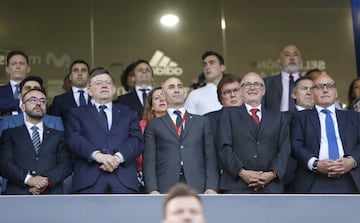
column 17, row 66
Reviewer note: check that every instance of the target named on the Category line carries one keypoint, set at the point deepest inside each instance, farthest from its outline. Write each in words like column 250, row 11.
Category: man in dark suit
column 105, row 139
column 326, row 143
column 77, row 96
column 17, row 66
column 278, row 87
column 253, row 143
column 179, row 147
column 33, row 157
column 143, row 79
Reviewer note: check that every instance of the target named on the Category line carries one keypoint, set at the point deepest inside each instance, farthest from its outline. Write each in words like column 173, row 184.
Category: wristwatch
column 314, row 166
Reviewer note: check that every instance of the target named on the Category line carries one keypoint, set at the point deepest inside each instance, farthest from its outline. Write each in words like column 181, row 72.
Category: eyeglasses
column 99, row 83
column 256, row 85
column 327, row 85
column 34, row 100
column 231, row 91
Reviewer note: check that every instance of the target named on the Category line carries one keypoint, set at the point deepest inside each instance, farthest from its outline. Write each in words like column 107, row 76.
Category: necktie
column 144, row 95
column 82, row 100
column 103, row 115
column 254, row 115
column 16, row 92
column 291, row 86
column 178, row 118
column 35, row 137
column 331, row 137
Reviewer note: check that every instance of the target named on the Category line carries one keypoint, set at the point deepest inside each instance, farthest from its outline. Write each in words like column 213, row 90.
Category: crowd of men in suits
column 234, row 135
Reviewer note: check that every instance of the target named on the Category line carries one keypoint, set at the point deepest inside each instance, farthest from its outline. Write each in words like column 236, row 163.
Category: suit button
column 257, row 142
column 33, row 172
column 37, row 158
column 181, row 147
column 255, row 156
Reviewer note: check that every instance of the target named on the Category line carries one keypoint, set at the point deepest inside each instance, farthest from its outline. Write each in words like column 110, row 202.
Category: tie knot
column 81, row 91
column 326, row 111
column 254, row 110
column 291, row 77
column 177, row 112
column 34, row 128
column 144, row 90
column 102, row 107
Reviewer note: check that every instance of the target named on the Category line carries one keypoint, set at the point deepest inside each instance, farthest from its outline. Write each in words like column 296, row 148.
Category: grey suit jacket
column 164, row 150
column 243, row 144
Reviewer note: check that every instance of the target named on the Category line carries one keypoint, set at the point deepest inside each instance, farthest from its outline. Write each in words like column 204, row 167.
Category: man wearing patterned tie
column 279, row 87
column 105, row 139
column 77, row 96
column 143, row 79
column 179, row 147
column 33, row 157
column 326, row 143
column 253, row 143
column 17, row 66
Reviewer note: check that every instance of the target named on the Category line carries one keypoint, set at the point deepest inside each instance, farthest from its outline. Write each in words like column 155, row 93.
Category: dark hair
column 14, row 53
column 33, row 89
column 354, row 104
column 149, row 113
column 308, row 73
column 298, row 80
column 140, row 61
column 213, row 53
column 97, row 71
column 32, row 78
column 350, row 92
column 79, row 61
column 227, row 78
column 129, row 70
column 180, row 190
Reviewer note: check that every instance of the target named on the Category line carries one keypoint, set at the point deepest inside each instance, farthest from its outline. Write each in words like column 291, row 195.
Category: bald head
column 252, row 89
column 325, row 92
column 174, row 92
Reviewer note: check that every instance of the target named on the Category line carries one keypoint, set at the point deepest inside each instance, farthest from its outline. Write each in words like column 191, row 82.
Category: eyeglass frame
column 256, row 85
column 228, row 92
column 320, row 86
column 34, row 100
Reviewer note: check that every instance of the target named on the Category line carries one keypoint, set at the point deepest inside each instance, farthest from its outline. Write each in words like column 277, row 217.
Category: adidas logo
column 162, row 65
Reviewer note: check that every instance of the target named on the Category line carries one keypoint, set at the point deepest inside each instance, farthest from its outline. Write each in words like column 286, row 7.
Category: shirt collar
column 108, row 105
column 75, row 89
column 249, row 107
column 170, row 111
column 39, row 125
column 330, row 108
column 13, row 83
column 286, row 75
column 149, row 88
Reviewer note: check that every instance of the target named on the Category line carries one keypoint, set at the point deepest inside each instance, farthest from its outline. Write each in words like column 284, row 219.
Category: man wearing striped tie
column 33, row 157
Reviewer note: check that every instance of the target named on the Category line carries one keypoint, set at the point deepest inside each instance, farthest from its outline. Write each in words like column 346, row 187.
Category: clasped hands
column 37, row 184
column 335, row 168
column 108, row 162
column 257, row 179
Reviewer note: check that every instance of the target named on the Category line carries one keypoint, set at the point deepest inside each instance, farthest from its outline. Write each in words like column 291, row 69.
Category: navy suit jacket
column 273, row 94
column 132, row 100
column 86, row 133
column 243, row 144
column 13, row 121
column 305, row 140
column 18, row 158
column 7, row 101
column 62, row 104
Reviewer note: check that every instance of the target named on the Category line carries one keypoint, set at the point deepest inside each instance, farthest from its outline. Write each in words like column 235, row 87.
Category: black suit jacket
column 305, row 142
column 7, row 101
column 132, row 100
column 273, row 94
column 18, row 158
column 243, row 144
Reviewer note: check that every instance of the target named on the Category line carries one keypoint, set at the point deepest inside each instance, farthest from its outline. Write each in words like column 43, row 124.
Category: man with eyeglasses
column 33, row 157
column 326, row 143
column 105, row 139
column 17, row 66
column 77, row 96
column 253, row 143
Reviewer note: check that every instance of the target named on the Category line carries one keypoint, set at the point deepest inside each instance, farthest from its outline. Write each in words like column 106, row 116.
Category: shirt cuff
column 310, row 163
column 93, row 154
column 26, row 180
column 118, row 154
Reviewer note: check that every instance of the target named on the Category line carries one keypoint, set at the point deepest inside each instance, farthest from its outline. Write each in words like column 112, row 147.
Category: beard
column 35, row 114
column 291, row 68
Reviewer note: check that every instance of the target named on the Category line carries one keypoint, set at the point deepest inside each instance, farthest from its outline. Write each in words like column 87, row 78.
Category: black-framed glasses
column 256, row 85
column 34, row 100
column 231, row 91
column 320, row 86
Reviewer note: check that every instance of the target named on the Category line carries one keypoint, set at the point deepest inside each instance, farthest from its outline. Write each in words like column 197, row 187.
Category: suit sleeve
column 212, row 176
column 280, row 161
column 54, row 109
column 149, row 159
column 229, row 159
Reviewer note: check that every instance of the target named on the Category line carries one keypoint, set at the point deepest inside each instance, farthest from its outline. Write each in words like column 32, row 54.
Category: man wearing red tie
column 179, row 147
column 255, row 150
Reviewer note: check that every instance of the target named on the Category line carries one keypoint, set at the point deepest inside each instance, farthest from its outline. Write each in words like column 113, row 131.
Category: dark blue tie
column 291, row 86
column 144, row 95
column 16, row 92
column 331, row 136
column 103, row 115
column 82, row 100
column 178, row 118
column 35, row 137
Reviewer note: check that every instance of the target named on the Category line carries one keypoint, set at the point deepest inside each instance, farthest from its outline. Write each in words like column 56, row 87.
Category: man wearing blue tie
column 326, row 144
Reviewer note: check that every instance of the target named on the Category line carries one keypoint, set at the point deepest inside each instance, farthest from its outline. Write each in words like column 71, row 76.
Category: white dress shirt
column 284, row 104
column 76, row 94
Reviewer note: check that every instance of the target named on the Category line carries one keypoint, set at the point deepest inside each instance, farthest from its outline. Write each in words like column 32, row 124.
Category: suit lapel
column 188, row 123
column 248, row 120
column 72, row 99
column 342, row 125
column 115, row 115
column 315, row 122
column 46, row 135
column 24, row 134
column 166, row 119
column 94, row 114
